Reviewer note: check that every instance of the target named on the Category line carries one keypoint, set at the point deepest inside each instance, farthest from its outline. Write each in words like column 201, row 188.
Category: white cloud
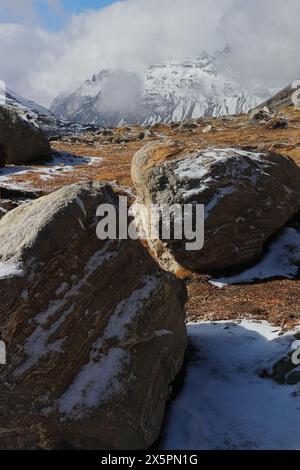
column 27, row 11
column 121, row 93
column 18, row 9
column 132, row 34
column 265, row 39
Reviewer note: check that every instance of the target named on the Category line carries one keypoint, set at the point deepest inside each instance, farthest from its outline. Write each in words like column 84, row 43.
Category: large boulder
column 247, row 195
column 94, row 330
column 2, row 155
column 21, row 141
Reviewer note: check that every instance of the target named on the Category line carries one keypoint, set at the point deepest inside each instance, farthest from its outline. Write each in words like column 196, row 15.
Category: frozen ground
column 224, row 404
column 281, row 260
column 60, row 164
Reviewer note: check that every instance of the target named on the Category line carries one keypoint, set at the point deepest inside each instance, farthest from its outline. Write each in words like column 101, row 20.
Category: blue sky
column 51, row 14
column 52, row 20
column 76, row 6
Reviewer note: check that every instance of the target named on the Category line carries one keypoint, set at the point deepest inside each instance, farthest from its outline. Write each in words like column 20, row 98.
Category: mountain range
column 173, row 90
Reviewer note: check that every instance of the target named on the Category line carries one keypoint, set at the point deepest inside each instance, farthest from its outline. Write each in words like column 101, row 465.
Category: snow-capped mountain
column 32, row 112
column 172, row 90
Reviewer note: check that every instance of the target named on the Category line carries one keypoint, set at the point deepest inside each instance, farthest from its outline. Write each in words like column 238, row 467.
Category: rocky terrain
column 28, row 143
column 52, row 125
column 254, row 192
column 245, row 169
column 76, row 350
column 106, row 155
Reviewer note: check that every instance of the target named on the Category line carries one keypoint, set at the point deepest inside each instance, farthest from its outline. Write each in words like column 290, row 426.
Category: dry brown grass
column 228, row 132
column 277, row 301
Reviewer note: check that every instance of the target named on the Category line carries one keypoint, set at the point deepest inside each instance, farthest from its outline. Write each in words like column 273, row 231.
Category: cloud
column 264, row 36
column 127, row 35
column 15, row 10
column 28, row 11
column 132, row 34
column 122, row 93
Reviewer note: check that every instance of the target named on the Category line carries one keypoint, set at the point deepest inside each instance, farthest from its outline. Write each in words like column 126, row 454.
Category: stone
column 248, row 196
column 94, row 329
column 261, row 114
column 22, row 141
column 3, row 156
column 277, row 123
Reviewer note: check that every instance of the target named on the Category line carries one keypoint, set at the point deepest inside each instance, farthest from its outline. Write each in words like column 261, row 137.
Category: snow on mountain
column 172, row 90
column 32, row 112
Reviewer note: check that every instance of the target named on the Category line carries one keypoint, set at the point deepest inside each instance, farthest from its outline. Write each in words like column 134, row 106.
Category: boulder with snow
column 248, row 196
column 94, row 330
column 22, row 141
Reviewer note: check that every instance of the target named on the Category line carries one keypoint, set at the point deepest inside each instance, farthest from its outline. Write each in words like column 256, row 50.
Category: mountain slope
column 170, row 91
column 287, row 97
column 52, row 125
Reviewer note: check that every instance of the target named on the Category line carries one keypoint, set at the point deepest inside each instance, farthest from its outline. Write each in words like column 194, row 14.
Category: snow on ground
column 280, row 260
column 224, row 404
column 9, row 269
column 61, row 163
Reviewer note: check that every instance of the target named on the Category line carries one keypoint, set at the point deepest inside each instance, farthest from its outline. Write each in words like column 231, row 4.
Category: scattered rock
column 93, row 346
column 263, row 114
column 208, row 129
column 277, row 123
column 141, row 136
column 189, row 125
column 11, row 198
column 22, row 141
column 248, row 197
column 107, row 132
column 271, row 120
column 174, row 125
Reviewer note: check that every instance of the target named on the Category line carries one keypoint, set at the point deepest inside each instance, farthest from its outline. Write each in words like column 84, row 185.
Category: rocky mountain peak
column 171, row 90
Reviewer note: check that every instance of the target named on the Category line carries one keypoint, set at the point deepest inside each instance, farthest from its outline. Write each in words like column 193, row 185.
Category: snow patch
column 36, row 345
column 95, row 383
column 61, row 163
column 10, row 269
column 224, row 404
column 127, row 310
column 98, row 380
column 161, row 333
column 281, row 260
